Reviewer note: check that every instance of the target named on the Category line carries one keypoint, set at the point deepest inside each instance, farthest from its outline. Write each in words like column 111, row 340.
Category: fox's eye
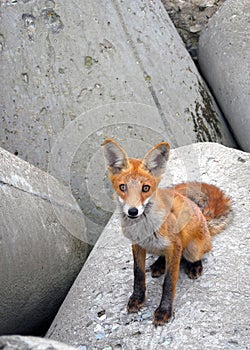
column 145, row 188
column 123, row 187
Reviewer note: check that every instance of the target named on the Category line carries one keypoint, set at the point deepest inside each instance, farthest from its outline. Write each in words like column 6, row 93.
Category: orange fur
column 171, row 223
column 214, row 204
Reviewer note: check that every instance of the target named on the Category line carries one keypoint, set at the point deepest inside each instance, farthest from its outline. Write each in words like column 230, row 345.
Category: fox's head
column 135, row 181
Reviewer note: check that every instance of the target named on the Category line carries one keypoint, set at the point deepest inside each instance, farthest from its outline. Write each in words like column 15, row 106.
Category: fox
column 174, row 223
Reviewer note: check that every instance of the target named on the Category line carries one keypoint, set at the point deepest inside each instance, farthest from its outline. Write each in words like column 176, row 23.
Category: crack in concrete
column 43, row 197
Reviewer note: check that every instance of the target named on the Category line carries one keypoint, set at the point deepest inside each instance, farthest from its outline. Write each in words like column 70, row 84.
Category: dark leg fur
column 138, row 297
column 158, row 267
column 164, row 311
column 193, row 269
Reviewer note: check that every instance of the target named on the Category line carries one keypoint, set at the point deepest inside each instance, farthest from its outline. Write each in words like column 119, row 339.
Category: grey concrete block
column 210, row 312
column 17, row 342
column 224, row 58
column 42, row 245
column 77, row 72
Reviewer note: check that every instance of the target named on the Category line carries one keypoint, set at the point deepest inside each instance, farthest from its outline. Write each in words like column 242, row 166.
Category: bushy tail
column 214, row 204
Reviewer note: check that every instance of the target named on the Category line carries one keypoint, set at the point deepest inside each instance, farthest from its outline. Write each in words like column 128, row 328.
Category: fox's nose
column 133, row 212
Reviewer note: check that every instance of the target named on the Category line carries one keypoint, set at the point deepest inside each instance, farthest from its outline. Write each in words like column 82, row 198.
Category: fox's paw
column 135, row 303
column 161, row 316
column 158, row 267
column 194, row 270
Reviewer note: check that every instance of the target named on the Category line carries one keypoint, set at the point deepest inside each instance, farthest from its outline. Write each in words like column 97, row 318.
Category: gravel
column 190, row 17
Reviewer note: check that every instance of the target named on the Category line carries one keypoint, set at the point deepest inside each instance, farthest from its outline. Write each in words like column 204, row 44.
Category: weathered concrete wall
column 17, row 342
column 76, row 72
column 224, row 58
column 210, row 312
column 42, row 245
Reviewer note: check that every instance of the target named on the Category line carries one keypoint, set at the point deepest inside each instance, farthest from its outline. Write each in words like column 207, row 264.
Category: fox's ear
column 115, row 156
column 156, row 158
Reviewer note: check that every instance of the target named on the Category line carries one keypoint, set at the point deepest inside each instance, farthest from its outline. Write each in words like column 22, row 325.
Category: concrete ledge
column 210, row 313
column 224, row 58
column 17, row 342
column 42, row 245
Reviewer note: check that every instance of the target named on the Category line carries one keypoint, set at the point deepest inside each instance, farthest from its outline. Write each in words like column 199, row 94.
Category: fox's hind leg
column 158, row 267
column 193, row 269
column 194, row 252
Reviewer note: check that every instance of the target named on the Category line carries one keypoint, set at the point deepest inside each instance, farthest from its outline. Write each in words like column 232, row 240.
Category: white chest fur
column 144, row 231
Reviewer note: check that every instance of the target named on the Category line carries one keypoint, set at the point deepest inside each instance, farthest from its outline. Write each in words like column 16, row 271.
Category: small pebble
column 99, row 332
column 101, row 313
column 146, row 314
column 206, row 3
column 115, row 326
column 99, row 336
column 103, row 317
column 98, row 296
column 196, row 28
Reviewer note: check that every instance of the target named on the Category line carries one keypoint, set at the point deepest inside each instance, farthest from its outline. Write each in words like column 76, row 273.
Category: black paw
column 158, row 267
column 194, row 270
column 161, row 316
column 135, row 303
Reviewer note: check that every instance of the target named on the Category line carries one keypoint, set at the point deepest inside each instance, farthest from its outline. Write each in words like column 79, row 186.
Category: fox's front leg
column 138, row 297
column 164, row 312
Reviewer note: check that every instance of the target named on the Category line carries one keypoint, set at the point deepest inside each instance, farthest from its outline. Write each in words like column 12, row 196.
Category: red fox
column 172, row 223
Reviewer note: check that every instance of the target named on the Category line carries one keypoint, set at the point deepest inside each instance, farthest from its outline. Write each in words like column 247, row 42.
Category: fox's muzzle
column 133, row 212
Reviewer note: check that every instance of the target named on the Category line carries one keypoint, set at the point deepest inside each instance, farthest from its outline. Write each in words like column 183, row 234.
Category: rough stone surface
column 76, row 72
column 17, row 342
column 224, row 58
column 189, row 18
column 42, row 245
column 211, row 312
